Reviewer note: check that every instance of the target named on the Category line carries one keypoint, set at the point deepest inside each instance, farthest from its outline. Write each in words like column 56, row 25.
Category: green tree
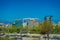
column 0, row 29
column 6, row 37
column 57, row 29
column 18, row 29
column 47, row 26
column 12, row 29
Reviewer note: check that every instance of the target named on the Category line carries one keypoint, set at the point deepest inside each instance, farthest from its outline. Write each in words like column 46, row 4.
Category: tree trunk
column 47, row 36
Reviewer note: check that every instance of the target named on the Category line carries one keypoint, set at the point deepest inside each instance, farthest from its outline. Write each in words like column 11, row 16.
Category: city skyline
column 11, row 21
column 17, row 9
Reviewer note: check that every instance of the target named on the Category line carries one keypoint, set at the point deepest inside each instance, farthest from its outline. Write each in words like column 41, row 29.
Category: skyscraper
column 18, row 23
column 30, row 22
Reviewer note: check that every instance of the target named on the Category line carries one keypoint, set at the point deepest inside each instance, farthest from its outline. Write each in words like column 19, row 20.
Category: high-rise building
column 18, row 23
column 58, row 23
column 25, row 22
column 8, row 25
column 48, row 19
column 31, row 22
column 2, row 25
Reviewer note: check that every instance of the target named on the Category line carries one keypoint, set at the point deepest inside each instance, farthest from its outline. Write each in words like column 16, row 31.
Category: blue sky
column 14, row 9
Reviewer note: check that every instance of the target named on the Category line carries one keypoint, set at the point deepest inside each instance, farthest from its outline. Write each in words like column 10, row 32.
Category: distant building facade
column 8, row 25
column 31, row 22
column 59, row 23
column 2, row 25
column 18, row 23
